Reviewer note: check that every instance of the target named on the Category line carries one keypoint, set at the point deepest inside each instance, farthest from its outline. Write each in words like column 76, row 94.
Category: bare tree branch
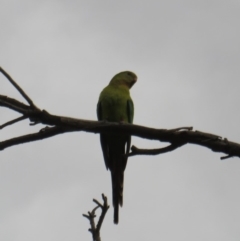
column 176, row 137
column 95, row 229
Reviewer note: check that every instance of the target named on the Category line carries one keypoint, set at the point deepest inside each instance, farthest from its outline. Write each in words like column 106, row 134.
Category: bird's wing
column 103, row 139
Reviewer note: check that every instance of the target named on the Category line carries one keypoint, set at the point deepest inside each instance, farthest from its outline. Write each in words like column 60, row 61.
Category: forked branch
column 95, row 229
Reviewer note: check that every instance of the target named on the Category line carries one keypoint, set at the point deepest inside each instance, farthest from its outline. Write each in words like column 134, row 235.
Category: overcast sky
column 63, row 53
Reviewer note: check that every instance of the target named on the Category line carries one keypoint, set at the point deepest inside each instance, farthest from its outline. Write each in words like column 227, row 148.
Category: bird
column 115, row 105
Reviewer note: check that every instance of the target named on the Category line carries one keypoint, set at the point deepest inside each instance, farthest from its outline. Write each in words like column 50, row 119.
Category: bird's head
column 125, row 78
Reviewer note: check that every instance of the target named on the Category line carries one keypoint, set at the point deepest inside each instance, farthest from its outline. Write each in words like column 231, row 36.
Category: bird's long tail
column 117, row 173
column 117, row 192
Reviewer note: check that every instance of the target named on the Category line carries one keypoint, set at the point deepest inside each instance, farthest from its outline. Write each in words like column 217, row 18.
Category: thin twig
column 226, row 157
column 20, row 90
column 138, row 151
column 91, row 215
column 13, row 121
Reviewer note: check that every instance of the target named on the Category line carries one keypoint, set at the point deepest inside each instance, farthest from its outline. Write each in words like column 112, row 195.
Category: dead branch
column 59, row 124
column 95, row 230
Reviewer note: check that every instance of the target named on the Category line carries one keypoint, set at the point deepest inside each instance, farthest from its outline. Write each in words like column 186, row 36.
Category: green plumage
column 116, row 105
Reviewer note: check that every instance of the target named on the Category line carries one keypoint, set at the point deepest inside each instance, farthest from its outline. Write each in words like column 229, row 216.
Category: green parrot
column 115, row 105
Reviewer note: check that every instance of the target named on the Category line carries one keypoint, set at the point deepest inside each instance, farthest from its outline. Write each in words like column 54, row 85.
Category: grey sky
column 186, row 55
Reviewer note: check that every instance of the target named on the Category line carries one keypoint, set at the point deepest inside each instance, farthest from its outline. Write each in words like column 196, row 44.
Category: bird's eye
column 129, row 73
